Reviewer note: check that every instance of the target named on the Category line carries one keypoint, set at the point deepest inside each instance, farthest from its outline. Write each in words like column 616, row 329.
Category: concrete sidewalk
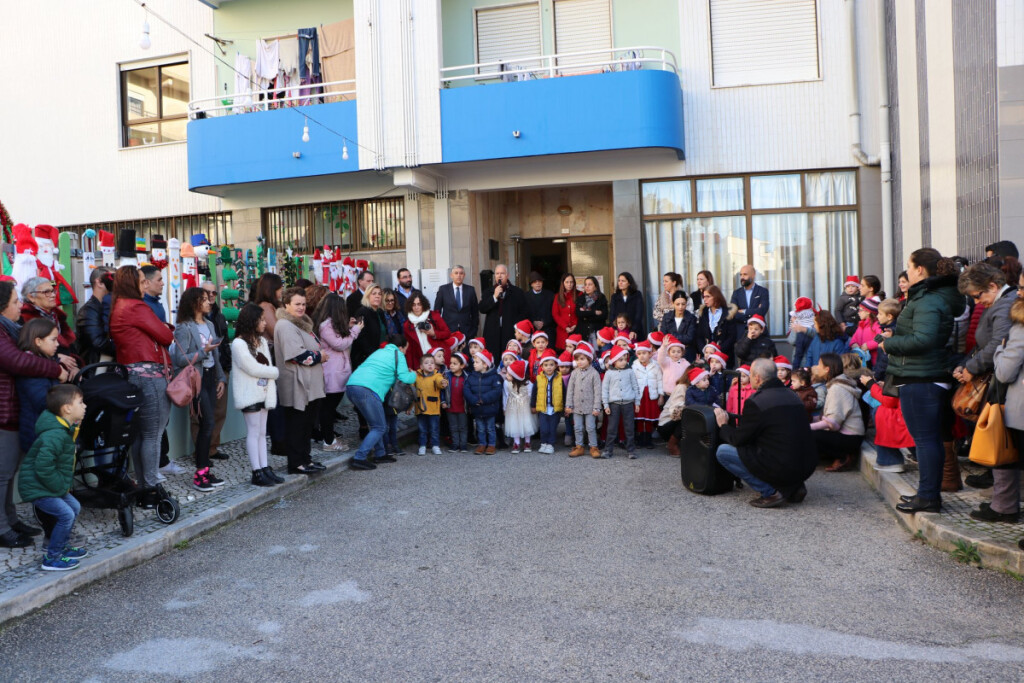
column 24, row 587
column 995, row 542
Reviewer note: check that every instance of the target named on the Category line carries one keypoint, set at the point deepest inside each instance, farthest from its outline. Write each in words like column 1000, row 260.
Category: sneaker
column 595, row 452
column 422, row 450
column 172, row 468
column 160, row 477
column 463, row 450
column 515, row 449
column 436, row 450
column 890, row 468
column 453, row 449
column 202, row 482
column 385, row 458
column 73, row 553
column 59, row 564
column 214, row 481
column 527, row 449
column 332, row 447
column 631, row 456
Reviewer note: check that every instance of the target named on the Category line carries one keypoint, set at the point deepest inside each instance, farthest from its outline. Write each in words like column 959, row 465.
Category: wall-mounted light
column 305, row 131
column 516, row 133
column 564, row 210
column 297, row 155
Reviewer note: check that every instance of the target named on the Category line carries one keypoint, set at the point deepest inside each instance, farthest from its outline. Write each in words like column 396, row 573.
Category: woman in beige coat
column 300, row 385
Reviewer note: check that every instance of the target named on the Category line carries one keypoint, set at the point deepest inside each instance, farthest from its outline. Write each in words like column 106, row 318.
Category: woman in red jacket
column 424, row 329
column 13, row 363
column 141, row 340
column 564, row 310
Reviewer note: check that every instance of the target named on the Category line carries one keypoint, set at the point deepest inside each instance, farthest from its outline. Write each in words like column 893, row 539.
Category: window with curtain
column 671, row 197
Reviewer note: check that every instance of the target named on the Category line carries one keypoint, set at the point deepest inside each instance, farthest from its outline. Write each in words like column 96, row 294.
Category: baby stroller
column 104, row 449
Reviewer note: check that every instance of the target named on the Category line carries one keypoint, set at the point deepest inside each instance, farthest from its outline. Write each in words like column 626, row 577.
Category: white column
column 941, row 124
column 910, row 135
column 413, row 256
column 442, row 234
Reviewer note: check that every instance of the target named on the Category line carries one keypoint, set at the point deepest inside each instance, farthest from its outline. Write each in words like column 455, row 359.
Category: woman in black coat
column 374, row 326
column 629, row 301
column 591, row 309
column 716, row 324
column 682, row 325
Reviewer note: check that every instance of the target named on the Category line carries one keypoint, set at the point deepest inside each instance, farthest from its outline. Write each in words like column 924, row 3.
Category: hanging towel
column 288, row 52
column 338, row 54
column 243, row 83
column 267, row 62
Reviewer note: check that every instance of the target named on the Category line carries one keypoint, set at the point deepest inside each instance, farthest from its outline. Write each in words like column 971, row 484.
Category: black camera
column 423, row 326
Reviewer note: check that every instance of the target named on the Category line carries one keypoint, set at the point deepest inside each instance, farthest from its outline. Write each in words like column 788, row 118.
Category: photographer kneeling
column 772, row 449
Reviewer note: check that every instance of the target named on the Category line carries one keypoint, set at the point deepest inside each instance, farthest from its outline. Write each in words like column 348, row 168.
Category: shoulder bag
column 186, row 385
column 969, row 398
column 402, row 395
column 992, row 444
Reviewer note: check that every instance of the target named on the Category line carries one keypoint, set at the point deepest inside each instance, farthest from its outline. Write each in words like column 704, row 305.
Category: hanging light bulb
column 344, row 149
column 305, row 131
column 144, row 41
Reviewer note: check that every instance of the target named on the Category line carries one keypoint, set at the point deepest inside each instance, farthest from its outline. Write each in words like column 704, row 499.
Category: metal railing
column 562, row 64
column 264, row 100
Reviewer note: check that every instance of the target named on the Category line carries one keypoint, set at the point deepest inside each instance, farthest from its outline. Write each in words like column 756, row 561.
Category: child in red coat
column 891, row 433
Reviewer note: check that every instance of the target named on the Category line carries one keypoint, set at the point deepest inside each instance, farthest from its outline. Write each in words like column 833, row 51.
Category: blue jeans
column 729, row 457
column 886, row 455
column 485, row 431
column 65, row 509
column 370, row 407
column 308, row 38
column 430, row 430
column 922, row 406
column 457, row 425
column 391, row 435
column 548, row 427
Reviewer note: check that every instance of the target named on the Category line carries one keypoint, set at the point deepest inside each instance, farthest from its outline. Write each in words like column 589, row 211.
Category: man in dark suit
column 750, row 297
column 540, row 302
column 457, row 304
column 355, row 300
column 505, row 306
column 404, row 289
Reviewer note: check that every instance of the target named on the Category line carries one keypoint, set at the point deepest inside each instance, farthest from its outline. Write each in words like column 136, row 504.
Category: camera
column 423, row 326
column 879, row 338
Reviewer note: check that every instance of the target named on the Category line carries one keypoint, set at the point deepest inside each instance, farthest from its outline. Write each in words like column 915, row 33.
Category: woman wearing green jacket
column 920, row 364
column 367, row 388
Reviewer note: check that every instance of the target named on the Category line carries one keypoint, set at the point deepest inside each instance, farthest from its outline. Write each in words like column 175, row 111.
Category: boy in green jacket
column 48, row 470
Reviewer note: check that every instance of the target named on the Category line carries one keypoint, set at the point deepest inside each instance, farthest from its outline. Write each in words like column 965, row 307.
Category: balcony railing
column 562, row 64
column 265, row 100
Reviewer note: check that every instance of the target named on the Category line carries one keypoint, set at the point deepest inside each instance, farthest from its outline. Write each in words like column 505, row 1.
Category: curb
column 936, row 528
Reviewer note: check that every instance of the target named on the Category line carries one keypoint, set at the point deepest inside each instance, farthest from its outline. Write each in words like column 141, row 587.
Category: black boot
column 272, row 475
column 259, row 478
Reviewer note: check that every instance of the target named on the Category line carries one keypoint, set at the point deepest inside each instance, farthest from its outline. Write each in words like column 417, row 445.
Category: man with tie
column 457, row 304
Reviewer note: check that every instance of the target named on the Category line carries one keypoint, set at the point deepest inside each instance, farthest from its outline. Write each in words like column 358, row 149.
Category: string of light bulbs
column 145, row 43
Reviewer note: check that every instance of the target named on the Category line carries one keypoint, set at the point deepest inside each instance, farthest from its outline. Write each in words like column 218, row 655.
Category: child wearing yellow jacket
column 548, row 399
column 429, row 383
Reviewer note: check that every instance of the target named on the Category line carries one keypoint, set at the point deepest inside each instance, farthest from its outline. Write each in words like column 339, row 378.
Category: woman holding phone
column 195, row 337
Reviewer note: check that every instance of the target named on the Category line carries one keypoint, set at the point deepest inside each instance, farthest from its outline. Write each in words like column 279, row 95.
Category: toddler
column 755, row 344
column 548, row 400
column 605, row 339
column 801, row 384
column 649, row 380
column 523, row 330
column 454, row 402
column 716, row 372
column 671, row 413
column 891, row 432
column 520, row 423
column 540, row 345
column 670, row 358
column 845, row 310
column 565, row 366
column 699, row 391
column 655, row 338
column 571, row 342
column 583, row 400
column 867, row 329
column 739, row 392
column 784, row 369
column 801, row 320
column 888, row 311
column 483, row 394
column 621, row 325
column 429, row 383
column 47, row 473
column 621, row 397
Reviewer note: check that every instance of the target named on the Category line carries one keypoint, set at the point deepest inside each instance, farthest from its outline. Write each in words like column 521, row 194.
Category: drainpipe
column 854, row 95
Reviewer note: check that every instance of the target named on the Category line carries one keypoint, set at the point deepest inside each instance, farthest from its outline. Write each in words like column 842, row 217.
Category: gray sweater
column 583, row 395
column 1009, row 361
column 620, row 386
column 992, row 329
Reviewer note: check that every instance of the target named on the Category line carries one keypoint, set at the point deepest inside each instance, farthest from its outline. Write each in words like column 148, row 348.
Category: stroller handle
column 90, row 370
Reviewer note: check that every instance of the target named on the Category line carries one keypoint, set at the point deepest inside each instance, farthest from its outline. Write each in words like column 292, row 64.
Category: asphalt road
column 536, row 567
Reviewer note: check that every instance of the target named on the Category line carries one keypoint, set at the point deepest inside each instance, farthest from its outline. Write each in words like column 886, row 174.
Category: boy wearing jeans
column 429, row 384
column 483, row 393
column 48, row 470
column 454, row 401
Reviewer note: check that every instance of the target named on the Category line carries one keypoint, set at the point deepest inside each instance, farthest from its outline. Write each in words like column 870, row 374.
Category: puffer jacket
column 583, row 395
column 992, row 330
column 917, row 351
column 483, row 393
column 845, row 310
column 701, row 397
column 15, row 363
column 748, row 350
column 138, row 334
column 49, row 465
column 620, row 386
column 817, row 346
column 93, row 335
column 32, row 398
column 648, row 377
column 842, row 407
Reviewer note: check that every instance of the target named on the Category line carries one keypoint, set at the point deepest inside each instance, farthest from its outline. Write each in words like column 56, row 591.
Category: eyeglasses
column 46, row 292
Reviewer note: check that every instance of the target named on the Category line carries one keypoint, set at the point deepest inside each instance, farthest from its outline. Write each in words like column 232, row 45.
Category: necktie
column 458, row 298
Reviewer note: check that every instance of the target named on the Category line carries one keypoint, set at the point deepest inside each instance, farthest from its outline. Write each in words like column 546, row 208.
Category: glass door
column 592, row 256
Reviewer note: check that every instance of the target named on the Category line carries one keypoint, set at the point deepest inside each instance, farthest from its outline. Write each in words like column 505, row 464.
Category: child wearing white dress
column 520, row 422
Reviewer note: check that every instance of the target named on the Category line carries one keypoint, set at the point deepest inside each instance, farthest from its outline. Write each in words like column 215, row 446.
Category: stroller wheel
column 126, row 517
column 167, row 510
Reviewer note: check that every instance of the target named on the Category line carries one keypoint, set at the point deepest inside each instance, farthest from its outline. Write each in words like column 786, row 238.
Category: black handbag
column 402, row 395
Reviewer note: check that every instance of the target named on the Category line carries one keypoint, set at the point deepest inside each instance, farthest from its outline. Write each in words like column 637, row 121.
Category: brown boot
column 951, row 470
column 576, row 451
column 480, row 449
column 673, row 446
column 595, row 452
column 490, row 450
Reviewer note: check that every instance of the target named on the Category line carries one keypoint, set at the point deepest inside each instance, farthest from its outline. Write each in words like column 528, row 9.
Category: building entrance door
column 581, row 256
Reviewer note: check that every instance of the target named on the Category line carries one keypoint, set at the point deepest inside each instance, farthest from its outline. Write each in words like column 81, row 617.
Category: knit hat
column 669, row 341
column 485, row 356
column 783, row 362
column 584, row 348
column 534, row 276
column 461, row 356
column 517, row 369
column 744, row 369
column 574, row 339
column 606, row 335
column 617, row 353
column 721, row 357
column 524, row 327
column 656, row 338
column 870, row 304
column 851, row 280
column 757, row 318
column 565, row 360
column 644, row 346
column 535, row 335
column 696, row 374
column 478, row 341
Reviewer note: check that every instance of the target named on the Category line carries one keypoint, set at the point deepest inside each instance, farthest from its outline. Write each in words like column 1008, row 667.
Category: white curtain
column 720, row 194
column 831, row 189
column 668, row 197
column 775, row 191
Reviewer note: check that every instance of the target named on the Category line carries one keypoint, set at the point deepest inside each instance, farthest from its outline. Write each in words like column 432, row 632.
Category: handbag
column 970, row 397
column 401, row 396
column 992, row 445
column 186, row 385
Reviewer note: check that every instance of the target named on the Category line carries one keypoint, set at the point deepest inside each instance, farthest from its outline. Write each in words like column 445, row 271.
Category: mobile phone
column 216, row 340
column 879, row 338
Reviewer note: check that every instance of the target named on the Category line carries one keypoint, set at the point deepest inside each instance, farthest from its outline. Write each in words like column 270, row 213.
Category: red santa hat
column 721, row 357
column 24, row 242
column 744, row 369
column 606, row 335
column 524, row 327
column 348, row 261
column 362, row 264
column 574, row 339
column 656, row 338
column 851, row 280
column 517, row 369
column 668, row 341
column 802, row 304
column 435, row 349
column 584, row 348
column 548, row 354
column 644, row 346
column 106, row 240
column 715, row 348
column 514, row 342
column 757, row 318
column 485, row 356
column 538, row 335
column 617, row 353
column 783, row 362
column 47, row 232
column 457, row 338
column 696, row 374
column 508, row 352
column 479, row 341
column 462, row 358
column 565, row 360
column 623, row 336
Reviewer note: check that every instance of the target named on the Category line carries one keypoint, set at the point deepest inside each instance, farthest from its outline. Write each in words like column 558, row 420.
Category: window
column 154, row 103
column 799, row 231
column 506, row 33
column 216, row 227
column 756, row 42
column 582, row 26
column 369, row 225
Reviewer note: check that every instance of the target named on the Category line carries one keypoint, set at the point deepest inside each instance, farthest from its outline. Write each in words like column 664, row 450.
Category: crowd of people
column 615, row 372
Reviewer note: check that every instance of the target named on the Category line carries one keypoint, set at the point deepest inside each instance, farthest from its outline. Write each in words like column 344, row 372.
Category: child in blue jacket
column 483, row 394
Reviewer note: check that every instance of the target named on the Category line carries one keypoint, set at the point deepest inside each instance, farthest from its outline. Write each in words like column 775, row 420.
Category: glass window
column 831, row 188
column 669, row 197
column 154, row 104
column 383, row 224
column 332, row 224
column 366, row 225
column 775, row 191
column 720, row 194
